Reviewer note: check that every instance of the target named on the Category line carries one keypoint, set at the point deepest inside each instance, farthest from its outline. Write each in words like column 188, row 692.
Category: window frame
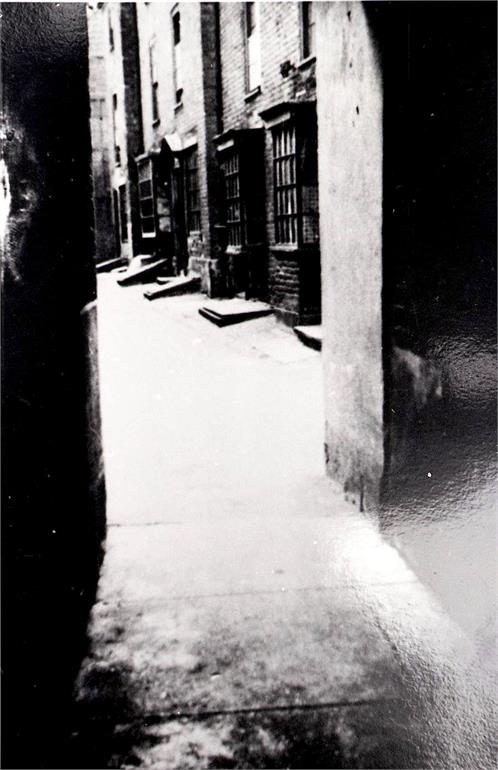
column 141, row 180
column 193, row 218
column 236, row 227
column 117, row 148
column 301, row 137
column 285, row 180
column 154, row 83
column 176, row 42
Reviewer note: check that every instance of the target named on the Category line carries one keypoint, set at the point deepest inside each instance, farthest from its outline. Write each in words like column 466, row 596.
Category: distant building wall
column 350, row 103
column 101, row 133
column 185, row 121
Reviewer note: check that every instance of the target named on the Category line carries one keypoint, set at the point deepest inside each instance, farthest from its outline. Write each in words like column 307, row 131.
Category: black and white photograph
column 249, row 413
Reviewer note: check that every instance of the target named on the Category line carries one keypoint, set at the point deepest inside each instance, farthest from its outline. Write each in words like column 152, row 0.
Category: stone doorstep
column 233, row 311
column 175, row 285
column 109, row 264
column 311, row 336
column 144, row 272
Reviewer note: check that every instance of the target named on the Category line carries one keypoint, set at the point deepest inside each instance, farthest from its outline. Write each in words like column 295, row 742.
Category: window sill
column 287, row 248
column 156, row 122
column 307, row 62
column 178, row 106
column 252, row 94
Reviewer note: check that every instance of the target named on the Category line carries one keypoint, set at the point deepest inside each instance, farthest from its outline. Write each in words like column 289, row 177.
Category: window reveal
column 146, row 197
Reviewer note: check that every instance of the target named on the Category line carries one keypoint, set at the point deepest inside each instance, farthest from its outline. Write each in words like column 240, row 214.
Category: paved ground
column 247, row 617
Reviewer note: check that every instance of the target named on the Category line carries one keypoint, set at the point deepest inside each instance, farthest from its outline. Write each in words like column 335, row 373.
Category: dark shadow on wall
column 53, row 484
column 438, row 65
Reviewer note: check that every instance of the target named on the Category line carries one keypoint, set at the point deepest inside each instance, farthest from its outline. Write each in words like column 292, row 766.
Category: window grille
column 234, row 215
column 285, row 184
column 192, row 191
column 146, row 197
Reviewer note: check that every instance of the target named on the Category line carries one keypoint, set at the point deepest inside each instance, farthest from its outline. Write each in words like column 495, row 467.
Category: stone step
column 142, row 273
column 311, row 336
column 146, row 259
column 109, row 264
column 234, row 311
column 180, row 285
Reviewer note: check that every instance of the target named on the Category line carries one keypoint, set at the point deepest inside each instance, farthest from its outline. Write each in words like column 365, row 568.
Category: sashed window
column 177, row 55
column 307, row 29
column 295, row 180
column 285, row 185
column 253, row 52
column 123, row 213
column 230, row 167
column 192, row 200
column 146, row 197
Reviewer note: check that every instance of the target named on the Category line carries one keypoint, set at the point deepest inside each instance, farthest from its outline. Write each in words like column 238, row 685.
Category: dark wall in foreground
column 439, row 229
column 53, row 486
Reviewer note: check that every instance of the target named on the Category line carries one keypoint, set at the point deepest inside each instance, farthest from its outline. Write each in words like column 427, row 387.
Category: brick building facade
column 269, row 133
column 213, row 119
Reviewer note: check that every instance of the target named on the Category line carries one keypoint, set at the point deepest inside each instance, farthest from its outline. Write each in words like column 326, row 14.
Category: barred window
column 192, row 200
column 146, row 197
column 230, row 168
column 285, row 184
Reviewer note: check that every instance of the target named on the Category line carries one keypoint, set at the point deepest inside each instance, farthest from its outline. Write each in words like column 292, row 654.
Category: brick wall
column 293, row 275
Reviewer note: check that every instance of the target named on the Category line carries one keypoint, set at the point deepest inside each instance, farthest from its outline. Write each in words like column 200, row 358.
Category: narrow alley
column 247, row 616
